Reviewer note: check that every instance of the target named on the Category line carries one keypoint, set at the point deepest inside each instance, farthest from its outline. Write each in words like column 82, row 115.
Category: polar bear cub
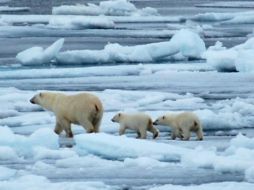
column 139, row 122
column 182, row 125
column 83, row 109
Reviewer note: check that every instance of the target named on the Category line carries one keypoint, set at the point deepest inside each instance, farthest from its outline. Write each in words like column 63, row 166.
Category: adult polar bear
column 82, row 109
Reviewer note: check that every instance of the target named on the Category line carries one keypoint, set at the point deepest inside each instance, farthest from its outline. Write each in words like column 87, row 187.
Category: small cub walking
column 139, row 122
column 182, row 125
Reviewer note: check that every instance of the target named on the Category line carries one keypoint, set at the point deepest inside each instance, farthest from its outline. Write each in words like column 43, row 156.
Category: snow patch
column 238, row 58
column 38, row 55
column 249, row 175
column 6, row 173
column 143, row 162
column 7, row 153
column 28, row 182
column 24, row 146
column 77, row 23
column 121, row 147
column 208, row 186
column 13, row 9
column 184, row 44
column 109, row 8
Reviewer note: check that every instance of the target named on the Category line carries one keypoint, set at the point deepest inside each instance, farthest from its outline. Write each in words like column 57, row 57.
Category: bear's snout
column 32, row 101
column 112, row 120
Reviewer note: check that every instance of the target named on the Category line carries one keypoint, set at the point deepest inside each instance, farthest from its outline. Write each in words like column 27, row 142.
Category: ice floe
column 112, row 8
column 81, row 23
column 184, row 44
column 6, row 173
column 231, row 4
column 244, row 17
column 13, row 9
column 27, row 182
column 237, row 58
column 24, row 146
column 38, row 55
column 208, row 186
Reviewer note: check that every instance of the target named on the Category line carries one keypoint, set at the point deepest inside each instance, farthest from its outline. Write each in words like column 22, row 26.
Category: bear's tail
column 97, row 117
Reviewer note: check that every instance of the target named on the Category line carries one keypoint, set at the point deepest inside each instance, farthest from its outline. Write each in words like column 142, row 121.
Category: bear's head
column 43, row 99
column 163, row 120
column 117, row 118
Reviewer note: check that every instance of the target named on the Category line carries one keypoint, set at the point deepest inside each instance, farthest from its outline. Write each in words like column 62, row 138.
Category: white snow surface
column 78, row 23
column 27, row 182
column 13, row 9
column 230, row 4
column 34, row 19
column 109, row 152
column 243, row 17
column 110, row 8
column 237, row 58
column 38, row 55
column 6, row 173
column 184, row 44
column 208, row 186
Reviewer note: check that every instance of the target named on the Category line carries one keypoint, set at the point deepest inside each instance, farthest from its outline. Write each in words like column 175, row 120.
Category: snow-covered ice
column 80, row 23
column 112, row 8
column 6, row 173
column 13, row 9
column 209, row 186
column 243, row 17
column 27, row 182
column 237, row 58
column 33, row 19
column 38, row 55
column 231, row 4
column 184, row 44
column 182, row 75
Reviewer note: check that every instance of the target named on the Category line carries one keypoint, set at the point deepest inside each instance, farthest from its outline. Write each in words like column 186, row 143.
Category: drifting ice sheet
column 13, row 9
column 184, row 44
column 209, row 186
column 38, row 55
column 238, row 58
column 226, row 18
column 110, row 8
column 80, row 23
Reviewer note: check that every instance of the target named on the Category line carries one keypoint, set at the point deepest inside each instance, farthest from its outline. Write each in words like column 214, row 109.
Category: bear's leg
column 154, row 131
column 67, row 127
column 139, row 135
column 186, row 134
column 199, row 134
column 58, row 128
column 88, row 126
column 122, row 130
column 143, row 134
column 174, row 133
column 97, row 125
column 173, row 136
